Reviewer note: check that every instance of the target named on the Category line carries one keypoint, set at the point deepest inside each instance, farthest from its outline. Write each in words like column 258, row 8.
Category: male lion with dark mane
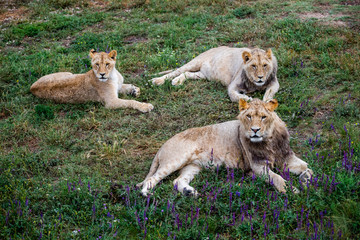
column 242, row 70
column 256, row 142
column 101, row 84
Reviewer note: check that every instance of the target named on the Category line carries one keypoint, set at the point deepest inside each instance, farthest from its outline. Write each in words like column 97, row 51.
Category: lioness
column 242, row 70
column 101, row 84
column 256, row 142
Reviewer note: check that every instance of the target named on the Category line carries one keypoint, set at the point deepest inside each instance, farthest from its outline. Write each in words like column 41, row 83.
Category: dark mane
column 275, row 150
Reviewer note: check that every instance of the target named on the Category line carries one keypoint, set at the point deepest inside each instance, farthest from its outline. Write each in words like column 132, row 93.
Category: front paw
column 135, row 91
column 246, row 98
column 178, row 80
column 242, row 95
column 306, row 175
column 190, row 192
column 146, row 107
column 158, row 81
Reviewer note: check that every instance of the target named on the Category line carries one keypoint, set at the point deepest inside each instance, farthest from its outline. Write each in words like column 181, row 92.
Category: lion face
column 257, row 119
column 102, row 64
column 258, row 65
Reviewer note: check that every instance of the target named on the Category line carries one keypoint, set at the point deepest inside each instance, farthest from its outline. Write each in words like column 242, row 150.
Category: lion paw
column 135, row 91
column 178, row 81
column 158, row 81
column 306, row 175
column 295, row 190
column 146, row 193
column 190, row 192
column 146, row 107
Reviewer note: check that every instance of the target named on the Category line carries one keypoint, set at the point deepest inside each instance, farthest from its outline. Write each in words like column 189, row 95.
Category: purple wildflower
column 7, row 218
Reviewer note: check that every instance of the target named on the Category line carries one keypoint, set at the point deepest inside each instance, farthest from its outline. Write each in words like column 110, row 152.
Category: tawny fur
column 242, row 70
column 101, row 84
column 256, row 142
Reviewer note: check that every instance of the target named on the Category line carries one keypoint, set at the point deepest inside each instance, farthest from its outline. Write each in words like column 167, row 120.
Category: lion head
column 258, row 65
column 257, row 119
column 102, row 64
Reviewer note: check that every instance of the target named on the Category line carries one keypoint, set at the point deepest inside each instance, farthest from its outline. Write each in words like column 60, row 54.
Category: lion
column 256, row 142
column 242, row 70
column 101, row 84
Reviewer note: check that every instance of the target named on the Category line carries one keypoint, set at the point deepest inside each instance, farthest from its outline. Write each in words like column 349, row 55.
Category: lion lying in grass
column 242, row 70
column 101, row 84
column 256, row 142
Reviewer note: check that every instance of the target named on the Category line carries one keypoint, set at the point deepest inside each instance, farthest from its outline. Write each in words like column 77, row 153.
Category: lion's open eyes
column 249, row 117
column 263, row 117
column 253, row 66
column 107, row 65
column 265, row 65
column 97, row 65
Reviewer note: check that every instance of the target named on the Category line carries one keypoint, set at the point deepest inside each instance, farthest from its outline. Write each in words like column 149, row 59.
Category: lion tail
column 153, row 168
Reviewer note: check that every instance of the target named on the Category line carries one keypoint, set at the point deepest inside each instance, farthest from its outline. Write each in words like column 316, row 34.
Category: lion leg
column 121, row 103
column 187, row 75
column 277, row 180
column 129, row 89
column 299, row 167
column 162, row 171
column 271, row 90
column 187, row 174
column 192, row 66
column 235, row 95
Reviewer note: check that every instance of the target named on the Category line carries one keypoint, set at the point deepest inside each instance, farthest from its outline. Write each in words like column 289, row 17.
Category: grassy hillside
column 69, row 171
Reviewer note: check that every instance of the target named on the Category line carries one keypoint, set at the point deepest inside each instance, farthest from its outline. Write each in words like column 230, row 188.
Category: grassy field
column 69, row 171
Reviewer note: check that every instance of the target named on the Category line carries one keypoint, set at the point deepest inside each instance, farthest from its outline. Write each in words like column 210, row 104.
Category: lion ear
column 246, row 56
column 271, row 105
column 113, row 54
column 92, row 52
column 243, row 105
column 269, row 53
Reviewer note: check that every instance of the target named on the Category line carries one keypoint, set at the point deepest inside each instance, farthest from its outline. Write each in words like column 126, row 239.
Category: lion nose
column 255, row 129
column 260, row 77
column 102, row 74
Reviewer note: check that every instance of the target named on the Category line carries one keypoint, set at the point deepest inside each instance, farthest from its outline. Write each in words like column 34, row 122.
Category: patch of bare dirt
column 32, row 144
column 350, row 2
column 134, row 39
column 325, row 18
column 13, row 14
column 99, row 4
column 67, row 41
column 5, row 113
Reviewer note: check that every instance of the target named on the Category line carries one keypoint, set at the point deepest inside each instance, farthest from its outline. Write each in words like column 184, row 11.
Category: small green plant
column 68, row 3
column 44, row 112
column 243, row 11
column 347, row 110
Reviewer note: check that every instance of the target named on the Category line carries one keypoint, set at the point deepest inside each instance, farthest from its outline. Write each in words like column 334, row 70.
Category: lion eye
column 107, row 65
column 97, row 65
column 253, row 66
column 265, row 65
column 263, row 117
column 249, row 117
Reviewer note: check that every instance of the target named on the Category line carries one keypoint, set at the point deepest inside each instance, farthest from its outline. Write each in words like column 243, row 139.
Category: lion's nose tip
column 255, row 129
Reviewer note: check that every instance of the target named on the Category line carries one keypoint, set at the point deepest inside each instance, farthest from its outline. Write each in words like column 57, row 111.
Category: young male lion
column 101, row 84
column 242, row 70
column 256, row 142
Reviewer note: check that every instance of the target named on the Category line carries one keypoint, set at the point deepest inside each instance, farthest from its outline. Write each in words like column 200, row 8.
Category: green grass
column 69, row 171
